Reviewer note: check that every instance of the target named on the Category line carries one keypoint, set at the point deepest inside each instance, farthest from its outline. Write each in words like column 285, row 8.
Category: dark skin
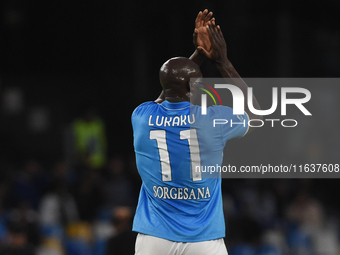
column 175, row 74
column 200, row 38
column 218, row 55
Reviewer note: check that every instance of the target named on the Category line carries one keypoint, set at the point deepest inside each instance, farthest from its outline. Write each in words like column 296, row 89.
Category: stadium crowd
column 84, row 203
column 65, row 209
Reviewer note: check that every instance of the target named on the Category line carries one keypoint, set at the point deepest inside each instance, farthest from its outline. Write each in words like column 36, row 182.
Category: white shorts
column 150, row 245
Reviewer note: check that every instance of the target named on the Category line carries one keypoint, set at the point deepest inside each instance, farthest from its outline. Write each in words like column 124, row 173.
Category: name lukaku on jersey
column 181, row 193
column 171, row 121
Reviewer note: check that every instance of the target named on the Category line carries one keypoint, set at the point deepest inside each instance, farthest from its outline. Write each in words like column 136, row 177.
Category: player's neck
column 173, row 98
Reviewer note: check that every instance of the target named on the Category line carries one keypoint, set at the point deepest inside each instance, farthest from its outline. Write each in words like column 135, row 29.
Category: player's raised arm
column 218, row 54
column 201, row 37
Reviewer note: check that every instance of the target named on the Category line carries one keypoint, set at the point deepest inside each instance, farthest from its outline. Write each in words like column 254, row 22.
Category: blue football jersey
column 174, row 142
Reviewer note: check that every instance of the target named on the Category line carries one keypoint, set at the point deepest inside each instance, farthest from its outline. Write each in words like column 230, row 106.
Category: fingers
column 212, row 33
column 198, row 19
column 195, row 37
column 214, row 28
column 213, row 25
column 215, row 34
column 220, row 34
column 204, row 14
column 202, row 18
column 207, row 18
column 219, row 31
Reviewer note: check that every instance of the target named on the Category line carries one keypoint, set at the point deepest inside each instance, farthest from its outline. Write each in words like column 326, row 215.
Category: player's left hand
column 201, row 37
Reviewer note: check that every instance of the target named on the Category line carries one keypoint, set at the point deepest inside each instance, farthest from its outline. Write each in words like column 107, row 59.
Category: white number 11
column 191, row 136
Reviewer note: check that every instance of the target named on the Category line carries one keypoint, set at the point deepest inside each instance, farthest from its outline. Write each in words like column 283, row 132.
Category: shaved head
column 178, row 70
column 175, row 75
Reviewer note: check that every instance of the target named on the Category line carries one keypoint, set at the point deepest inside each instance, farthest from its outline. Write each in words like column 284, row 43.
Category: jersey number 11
column 188, row 134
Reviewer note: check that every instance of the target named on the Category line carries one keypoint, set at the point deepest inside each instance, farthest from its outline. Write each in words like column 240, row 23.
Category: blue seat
column 298, row 239
column 99, row 247
column 52, row 231
column 77, row 247
column 269, row 250
column 243, row 249
column 3, row 231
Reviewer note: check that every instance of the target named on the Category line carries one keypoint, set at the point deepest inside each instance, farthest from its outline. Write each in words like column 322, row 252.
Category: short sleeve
column 142, row 108
column 231, row 126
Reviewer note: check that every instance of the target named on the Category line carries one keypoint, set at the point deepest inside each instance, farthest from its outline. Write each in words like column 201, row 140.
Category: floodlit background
column 71, row 74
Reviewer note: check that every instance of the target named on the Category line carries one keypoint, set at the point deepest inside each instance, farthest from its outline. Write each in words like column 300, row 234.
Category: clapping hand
column 218, row 50
column 201, row 37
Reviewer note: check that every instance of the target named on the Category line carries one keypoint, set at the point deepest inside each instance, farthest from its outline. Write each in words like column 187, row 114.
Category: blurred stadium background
column 71, row 75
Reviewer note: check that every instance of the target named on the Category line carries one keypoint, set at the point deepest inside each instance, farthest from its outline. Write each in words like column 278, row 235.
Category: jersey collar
column 175, row 106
